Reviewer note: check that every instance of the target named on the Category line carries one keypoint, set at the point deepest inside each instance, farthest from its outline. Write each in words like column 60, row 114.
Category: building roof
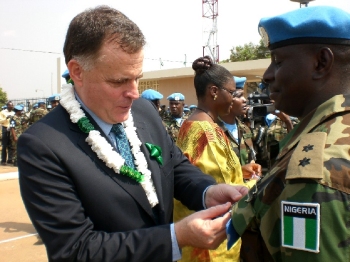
column 252, row 70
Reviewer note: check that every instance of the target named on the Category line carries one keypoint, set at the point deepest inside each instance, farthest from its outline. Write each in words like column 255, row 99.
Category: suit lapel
column 153, row 166
column 133, row 188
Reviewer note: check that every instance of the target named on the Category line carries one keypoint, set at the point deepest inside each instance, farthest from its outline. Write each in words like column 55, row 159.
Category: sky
column 32, row 34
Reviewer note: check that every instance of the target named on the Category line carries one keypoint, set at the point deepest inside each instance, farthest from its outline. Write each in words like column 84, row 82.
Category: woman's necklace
column 206, row 113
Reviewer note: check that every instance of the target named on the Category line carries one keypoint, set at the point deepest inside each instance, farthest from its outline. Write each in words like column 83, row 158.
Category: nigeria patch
column 300, row 225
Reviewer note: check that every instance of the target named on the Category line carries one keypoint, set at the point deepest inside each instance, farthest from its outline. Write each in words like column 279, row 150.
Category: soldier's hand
column 251, row 171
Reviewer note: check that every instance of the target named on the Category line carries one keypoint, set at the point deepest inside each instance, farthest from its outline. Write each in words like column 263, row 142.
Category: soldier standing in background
column 7, row 150
column 18, row 125
column 54, row 100
column 176, row 117
column 279, row 125
column 238, row 133
column 153, row 96
column 38, row 113
column 300, row 210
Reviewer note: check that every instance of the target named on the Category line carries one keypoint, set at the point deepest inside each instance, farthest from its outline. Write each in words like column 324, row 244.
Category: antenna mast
column 210, row 14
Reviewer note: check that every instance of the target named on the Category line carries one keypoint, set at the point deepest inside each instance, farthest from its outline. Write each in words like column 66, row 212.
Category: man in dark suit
column 99, row 173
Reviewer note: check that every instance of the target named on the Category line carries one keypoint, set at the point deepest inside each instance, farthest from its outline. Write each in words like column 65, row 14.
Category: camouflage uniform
column 266, row 141
column 244, row 149
column 37, row 114
column 259, row 134
column 163, row 112
column 275, row 133
column 312, row 169
column 172, row 126
column 19, row 124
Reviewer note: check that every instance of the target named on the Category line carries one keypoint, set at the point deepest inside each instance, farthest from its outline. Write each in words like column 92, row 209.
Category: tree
column 3, row 97
column 249, row 51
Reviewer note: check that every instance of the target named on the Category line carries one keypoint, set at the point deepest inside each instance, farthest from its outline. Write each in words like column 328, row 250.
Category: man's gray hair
column 90, row 29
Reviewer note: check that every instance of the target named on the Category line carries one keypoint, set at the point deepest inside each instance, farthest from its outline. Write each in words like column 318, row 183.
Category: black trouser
column 6, row 146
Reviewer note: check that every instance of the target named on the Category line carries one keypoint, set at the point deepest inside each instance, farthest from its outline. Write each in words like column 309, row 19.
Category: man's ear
column 75, row 72
column 324, row 62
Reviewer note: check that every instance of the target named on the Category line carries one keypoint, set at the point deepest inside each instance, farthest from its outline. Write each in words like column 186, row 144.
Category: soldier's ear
column 324, row 62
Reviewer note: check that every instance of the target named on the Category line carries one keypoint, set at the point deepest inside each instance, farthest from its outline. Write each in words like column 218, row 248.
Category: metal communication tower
column 304, row 3
column 210, row 14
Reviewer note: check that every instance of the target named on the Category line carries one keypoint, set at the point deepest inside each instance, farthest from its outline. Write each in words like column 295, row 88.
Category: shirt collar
column 105, row 127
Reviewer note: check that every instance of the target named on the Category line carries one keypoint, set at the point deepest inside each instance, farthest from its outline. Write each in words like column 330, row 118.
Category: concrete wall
column 178, row 85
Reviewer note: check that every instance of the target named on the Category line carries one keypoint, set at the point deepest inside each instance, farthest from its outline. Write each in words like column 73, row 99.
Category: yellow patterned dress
column 207, row 147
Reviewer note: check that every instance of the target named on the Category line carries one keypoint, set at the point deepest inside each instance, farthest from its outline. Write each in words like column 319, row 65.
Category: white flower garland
column 105, row 151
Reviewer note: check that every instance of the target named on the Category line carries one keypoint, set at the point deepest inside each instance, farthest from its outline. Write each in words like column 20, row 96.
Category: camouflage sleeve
column 307, row 226
column 306, row 216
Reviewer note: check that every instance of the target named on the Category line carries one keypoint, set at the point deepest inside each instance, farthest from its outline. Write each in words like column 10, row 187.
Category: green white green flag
column 300, row 225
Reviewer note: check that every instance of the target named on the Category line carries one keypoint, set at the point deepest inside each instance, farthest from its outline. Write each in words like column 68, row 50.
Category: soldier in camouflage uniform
column 300, row 210
column 163, row 112
column 17, row 127
column 269, row 130
column 279, row 125
column 176, row 117
column 239, row 134
column 38, row 113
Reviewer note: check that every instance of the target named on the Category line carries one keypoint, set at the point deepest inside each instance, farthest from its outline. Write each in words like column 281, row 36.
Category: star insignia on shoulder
column 304, row 162
column 308, row 147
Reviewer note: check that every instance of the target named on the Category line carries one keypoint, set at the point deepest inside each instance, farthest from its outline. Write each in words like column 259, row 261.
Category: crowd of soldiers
column 252, row 138
column 15, row 120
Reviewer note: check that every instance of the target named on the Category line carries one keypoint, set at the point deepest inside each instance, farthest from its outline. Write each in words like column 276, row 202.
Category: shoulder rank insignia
column 307, row 158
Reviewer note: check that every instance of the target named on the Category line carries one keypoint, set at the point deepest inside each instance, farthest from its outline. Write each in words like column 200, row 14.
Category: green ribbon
column 156, row 152
column 85, row 125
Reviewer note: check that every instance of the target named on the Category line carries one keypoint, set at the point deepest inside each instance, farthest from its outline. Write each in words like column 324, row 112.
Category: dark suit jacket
column 83, row 210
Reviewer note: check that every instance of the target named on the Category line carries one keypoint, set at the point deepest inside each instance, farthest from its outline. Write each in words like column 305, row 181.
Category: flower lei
column 105, row 151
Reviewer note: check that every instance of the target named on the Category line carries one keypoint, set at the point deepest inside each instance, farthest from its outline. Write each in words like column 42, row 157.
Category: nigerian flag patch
column 300, row 225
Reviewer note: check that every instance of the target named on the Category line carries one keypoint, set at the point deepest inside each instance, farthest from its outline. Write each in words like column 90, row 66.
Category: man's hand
column 204, row 229
column 222, row 193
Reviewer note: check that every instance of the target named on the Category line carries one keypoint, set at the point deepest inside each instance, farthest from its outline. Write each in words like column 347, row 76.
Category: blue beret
column 269, row 118
column 18, row 107
column 263, row 85
column 240, row 81
column 65, row 74
column 54, row 97
column 151, row 94
column 176, row 97
column 317, row 24
column 41, row 102
column 192, row 106
column 186, row 109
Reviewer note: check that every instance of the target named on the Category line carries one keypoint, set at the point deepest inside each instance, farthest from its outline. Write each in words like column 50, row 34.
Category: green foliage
column 249, row 51
column 3, row 97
